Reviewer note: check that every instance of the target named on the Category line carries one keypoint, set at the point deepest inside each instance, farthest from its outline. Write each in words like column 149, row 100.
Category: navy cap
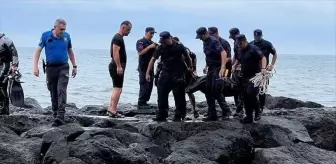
column 240, row 37
column 150, row 29
column 213, row 30
column 257, row 32
column 233, row 32
column 201, row 31
column 165, row 35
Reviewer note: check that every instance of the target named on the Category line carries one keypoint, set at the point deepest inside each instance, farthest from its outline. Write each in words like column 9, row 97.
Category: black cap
column 165, row 35
column 150, row 29
column 233, row 32
column 213, row 30
column 257, row 32
column 200, row 31
column 240, row 37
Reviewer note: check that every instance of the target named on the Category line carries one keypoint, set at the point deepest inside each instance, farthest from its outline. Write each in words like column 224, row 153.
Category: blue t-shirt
column 56, row 49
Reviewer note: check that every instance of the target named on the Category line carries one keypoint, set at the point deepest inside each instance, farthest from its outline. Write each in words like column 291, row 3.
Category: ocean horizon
column 303, row 77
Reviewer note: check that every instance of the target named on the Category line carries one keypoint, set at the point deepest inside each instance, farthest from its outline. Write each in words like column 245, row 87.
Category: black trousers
column 145, row 87
column 251, row 98
column 168, row 82
column 214, row 92
column 57, row 83
column 4, row 102
column 238, row 98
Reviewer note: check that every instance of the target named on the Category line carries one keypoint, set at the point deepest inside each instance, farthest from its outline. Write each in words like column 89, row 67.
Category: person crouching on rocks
column 250, row 57
column 171, row 78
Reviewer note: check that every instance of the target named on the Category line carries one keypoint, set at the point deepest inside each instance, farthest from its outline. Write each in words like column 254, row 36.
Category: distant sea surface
column 304, row 77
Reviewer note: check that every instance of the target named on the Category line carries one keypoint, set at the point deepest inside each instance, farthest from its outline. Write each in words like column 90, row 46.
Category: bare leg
column 115, row 99
column 193, row 104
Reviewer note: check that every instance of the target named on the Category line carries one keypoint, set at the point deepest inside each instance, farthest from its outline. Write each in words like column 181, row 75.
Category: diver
column 267, row 49
column 216, row 59
column 172, row 77
column 252, row 61
column 9, row 61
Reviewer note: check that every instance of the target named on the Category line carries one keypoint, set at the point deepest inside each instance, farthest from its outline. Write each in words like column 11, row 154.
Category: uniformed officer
column 252, row 61
column 267, row 49
column 58, row 49
column 145, row 47
column 9, row 60
column 173, row 55
column 215, row 57
column 236, row 72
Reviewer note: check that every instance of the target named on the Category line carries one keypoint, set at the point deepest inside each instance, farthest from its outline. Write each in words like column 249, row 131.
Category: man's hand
column 14, row 68
column 36, row 72
column 153, row 45
column 269, row 67
column 221, row 72
column 205, row 70
column 263, row 70
column 74, row 72
column 120, row 70
column 148, row 77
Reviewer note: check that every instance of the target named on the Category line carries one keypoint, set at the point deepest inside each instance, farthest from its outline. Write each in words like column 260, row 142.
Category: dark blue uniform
column 267, row 49
column 172, row 78
column 250, row 60
column 212, row 50
column 145, row 86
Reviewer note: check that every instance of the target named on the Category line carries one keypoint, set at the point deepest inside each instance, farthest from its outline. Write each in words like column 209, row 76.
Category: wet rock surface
column 292, row 131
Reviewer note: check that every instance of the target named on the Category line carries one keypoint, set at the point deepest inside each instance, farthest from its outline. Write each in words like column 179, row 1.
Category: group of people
column 175, row 72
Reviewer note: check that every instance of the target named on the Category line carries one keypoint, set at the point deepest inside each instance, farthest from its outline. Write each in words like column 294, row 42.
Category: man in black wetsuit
column 267, row 48
column 252, row 61
column 216, row 59
column 145, row 47
column 172, row 78
column 9, row 60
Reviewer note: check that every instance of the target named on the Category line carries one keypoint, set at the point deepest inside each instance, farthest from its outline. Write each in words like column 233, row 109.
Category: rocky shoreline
column 291, row 131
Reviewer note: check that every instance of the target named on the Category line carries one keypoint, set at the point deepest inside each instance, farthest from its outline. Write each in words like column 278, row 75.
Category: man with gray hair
column 58, row 49
column 8, row 61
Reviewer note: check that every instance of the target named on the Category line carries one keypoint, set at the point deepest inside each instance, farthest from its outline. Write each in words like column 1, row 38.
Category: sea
column 303, row 77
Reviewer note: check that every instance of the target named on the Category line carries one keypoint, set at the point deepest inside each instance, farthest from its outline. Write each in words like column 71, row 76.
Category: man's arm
column 11, row 48
column 222, row 52
column 186, row 55
column 115, row 47
column 141, row 49
column 261, row 56
column 71, row 53
column 38, row 50
column 156, row 55
column 274, row 53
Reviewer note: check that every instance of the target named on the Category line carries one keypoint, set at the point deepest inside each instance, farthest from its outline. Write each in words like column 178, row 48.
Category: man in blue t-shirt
column 58, row 49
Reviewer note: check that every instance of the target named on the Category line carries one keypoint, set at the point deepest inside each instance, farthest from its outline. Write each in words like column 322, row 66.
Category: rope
column 261, row 80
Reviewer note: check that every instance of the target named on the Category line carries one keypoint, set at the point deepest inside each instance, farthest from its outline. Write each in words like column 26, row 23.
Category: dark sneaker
column 257, row 116
column 196, row 115
column 115, row 115
column 58, row 122
column 247, row 120
column 239, row 113
column 226, row 116
column 206, row 119
column 159, row 119
column 144, row 106
column 177, row 119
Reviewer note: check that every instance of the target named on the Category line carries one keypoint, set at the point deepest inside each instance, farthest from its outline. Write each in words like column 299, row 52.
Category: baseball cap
column 257, row 32
column 165, row 35
column 150, row 29
column 233, row 32
column 240, row 38
column 213, row 30
column 200, row 31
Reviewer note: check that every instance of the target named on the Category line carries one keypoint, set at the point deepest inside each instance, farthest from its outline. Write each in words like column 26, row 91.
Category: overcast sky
column 293, row 26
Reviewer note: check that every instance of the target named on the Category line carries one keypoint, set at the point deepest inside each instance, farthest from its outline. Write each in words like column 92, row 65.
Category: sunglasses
column 62, row 29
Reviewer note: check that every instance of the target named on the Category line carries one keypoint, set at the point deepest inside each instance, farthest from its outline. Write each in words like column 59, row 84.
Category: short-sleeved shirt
column 119, row 41
column 171, row 57
column 212, row 50
column 266, row 47
column 250, row 60
column 144, row 58
column 56, row 48
column 226, row 45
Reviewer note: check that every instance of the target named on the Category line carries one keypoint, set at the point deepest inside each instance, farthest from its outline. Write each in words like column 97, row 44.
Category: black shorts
column 117, row 80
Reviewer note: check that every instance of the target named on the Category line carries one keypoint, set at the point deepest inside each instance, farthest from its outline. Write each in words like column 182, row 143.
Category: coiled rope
column 261, row 80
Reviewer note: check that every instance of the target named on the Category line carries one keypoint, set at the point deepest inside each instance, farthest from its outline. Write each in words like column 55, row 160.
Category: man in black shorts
column 117, row 66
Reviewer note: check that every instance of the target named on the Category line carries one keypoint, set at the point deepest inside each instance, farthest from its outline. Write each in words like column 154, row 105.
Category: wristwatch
column 74, row 66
